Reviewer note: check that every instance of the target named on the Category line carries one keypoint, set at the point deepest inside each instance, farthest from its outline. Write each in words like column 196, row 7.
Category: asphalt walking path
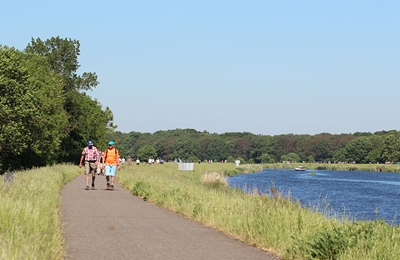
column 102, row 224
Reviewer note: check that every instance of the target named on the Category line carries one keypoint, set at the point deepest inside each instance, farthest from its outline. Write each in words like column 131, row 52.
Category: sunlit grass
column 270, row 222
column 30, row 225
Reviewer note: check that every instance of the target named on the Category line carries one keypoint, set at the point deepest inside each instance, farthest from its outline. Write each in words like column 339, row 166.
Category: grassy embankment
column 271, row 223
column 338, row 167
column 30, row 225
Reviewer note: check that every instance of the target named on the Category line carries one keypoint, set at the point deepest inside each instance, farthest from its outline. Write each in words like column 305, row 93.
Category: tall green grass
column 274, row 223
column 30, row 225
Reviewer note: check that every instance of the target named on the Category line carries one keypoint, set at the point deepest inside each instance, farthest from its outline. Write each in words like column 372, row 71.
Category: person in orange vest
column 111, row 163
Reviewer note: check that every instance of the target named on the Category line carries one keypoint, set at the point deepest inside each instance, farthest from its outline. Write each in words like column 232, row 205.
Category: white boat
column 300, row 168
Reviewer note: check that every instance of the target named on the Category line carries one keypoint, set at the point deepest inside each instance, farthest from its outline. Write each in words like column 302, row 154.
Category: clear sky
column 265, row 67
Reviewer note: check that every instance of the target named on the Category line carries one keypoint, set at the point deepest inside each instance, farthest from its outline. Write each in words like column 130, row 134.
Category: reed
column 272, row 222
column 213, row 176
column 30, row 225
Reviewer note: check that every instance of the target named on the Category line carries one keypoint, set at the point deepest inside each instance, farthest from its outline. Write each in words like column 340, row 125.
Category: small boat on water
column 300, row 168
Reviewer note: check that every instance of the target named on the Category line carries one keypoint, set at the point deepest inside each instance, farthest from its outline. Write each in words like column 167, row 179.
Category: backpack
column 116, row 152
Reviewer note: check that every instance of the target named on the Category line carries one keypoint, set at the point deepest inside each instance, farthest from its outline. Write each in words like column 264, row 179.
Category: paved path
column 102, row 224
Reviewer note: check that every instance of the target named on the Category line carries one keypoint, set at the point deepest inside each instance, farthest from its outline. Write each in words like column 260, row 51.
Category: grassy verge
column 30, row 225
column 338, row 167
column 274, row 223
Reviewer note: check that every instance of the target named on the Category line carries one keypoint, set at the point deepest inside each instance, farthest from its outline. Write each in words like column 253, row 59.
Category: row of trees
column 189, row 144
column 45, row 115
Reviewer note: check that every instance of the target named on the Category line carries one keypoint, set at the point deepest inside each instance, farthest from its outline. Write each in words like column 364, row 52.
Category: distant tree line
column 189, row 144
column 45, row 115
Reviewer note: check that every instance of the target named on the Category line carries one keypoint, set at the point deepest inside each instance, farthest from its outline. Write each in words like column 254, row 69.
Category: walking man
column 110, row 163
column 91, row 156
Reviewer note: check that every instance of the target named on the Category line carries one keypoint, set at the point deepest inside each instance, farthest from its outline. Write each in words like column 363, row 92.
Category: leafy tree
column 15, row 104
column 204, row 143
column 231, row 159
column 375, row 155
column 229, row 146
column 284, row 158
column 32, row 119
column 284, row 145
column 146, row 152
column 186, row 149
column 219, row 150
column 391, row 148
column 310, row 159
column 242, row 160
column 358, row 149
column 242, row 148
column 293, row 157
column 258, row 148
column 339, row 155
column 62, row 55
column 266, row 158
column 323, row 150
column 87, row 120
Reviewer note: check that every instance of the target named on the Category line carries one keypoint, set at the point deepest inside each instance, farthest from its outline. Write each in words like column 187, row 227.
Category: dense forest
column 46, row 116
column 192, row 145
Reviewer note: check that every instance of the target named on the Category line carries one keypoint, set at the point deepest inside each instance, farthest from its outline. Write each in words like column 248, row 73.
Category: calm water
column 362, row 195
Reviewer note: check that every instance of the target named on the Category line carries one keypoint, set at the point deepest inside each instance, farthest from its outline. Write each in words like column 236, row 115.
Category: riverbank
column 337, row 167
column 275, row 224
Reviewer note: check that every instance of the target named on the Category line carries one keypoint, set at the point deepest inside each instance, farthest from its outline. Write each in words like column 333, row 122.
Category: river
column 355, row 194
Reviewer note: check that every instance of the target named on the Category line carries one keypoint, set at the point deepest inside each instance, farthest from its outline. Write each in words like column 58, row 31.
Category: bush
column 241, row 159
column 231, row 159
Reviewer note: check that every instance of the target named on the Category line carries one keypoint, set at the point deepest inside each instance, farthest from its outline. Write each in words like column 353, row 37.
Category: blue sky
column 265, row 67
